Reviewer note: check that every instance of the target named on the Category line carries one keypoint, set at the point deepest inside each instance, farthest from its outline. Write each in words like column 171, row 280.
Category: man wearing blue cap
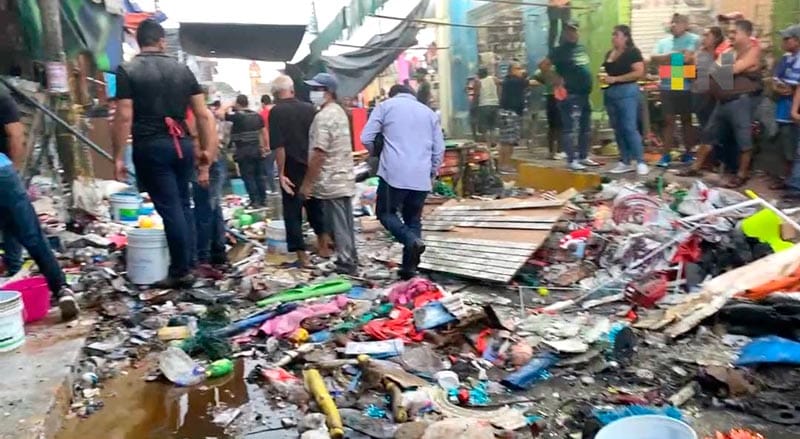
column 330, row 176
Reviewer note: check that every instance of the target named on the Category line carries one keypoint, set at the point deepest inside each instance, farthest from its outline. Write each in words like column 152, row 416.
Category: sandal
column 736, row 182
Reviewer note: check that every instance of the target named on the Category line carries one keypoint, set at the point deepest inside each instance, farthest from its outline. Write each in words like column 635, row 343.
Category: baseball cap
column 324, row 80
column 792, row 31
column 572, row 24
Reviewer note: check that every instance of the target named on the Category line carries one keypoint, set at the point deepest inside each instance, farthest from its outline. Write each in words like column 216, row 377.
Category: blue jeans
column 166, row 178
column 622, row 104
column 793, row 181
column 576, row 115
column 20, row 226
column 392, row 204
column 210, row 225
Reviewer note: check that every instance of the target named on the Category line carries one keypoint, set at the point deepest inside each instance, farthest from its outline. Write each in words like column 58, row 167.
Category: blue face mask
column 4, row 160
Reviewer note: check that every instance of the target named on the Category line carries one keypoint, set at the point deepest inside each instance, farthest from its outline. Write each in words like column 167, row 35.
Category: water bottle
column 531, row 373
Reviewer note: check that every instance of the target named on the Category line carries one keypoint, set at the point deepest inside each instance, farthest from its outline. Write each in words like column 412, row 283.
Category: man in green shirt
column 572, row 66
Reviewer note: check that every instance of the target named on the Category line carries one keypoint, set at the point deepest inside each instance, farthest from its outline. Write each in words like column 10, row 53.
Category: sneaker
column 621, row 168
column 642, row 169
column 68, row 304
column 665, row 160
column 560, row 156
column 589, row 162
column 576, row 166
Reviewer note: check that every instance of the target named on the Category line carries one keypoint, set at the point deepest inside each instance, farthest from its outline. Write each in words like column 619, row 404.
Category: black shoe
column 417, row 249
column 346, row 270
column 170, row 283
column 406, row 275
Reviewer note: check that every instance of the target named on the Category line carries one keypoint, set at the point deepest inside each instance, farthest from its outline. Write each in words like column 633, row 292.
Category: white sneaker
column 642, row 169
column 621, row 168
column 576, row 166
column 589, row 162
column 560, row 156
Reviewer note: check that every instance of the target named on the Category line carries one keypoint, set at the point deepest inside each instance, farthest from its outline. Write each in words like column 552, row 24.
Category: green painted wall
column 597, row 19
column 784, row 13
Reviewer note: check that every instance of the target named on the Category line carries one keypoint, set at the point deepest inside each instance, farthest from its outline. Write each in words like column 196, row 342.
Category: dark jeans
column 210, row 225
column 293, row 209
column 557, row 18
column 734, row 119
column 166, row 178
column 576, row 113
column 392, row 204
column 253, row 171
column 20, row 226
column 269, row 171
column 339, row 217
column 793, row 181
column 622, row 104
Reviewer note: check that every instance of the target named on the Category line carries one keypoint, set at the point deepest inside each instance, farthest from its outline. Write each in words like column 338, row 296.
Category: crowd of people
column 179, row 144
column 722, row 96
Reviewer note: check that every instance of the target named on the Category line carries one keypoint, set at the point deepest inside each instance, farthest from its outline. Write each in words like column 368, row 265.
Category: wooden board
column 490, row 225
column 502, row 205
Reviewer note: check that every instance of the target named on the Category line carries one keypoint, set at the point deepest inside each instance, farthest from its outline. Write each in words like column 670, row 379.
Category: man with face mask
column 330, row 178
column 289, row 123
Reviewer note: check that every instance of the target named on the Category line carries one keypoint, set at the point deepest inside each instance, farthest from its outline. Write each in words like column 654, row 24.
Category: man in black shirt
column 250, row 142
column 289, row 123
column 424, row 89
column 513, row 96
column 153, row 93
column 18, row 221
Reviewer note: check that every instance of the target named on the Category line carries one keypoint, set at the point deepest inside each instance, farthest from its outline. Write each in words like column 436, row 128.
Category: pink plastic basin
column 35, row 297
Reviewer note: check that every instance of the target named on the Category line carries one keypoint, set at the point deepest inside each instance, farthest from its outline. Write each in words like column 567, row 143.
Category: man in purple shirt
column 413, row 149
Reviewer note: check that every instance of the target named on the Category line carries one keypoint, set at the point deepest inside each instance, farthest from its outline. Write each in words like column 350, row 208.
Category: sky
column 236, row 72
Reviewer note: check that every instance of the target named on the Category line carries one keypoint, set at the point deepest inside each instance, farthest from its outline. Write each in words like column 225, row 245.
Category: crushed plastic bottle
column 219, row 368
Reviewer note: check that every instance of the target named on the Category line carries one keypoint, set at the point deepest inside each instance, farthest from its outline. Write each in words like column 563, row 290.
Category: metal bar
column 58, row 120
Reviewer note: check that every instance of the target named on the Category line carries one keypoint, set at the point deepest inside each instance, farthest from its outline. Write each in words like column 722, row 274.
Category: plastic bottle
column 191, row 378
column 602, row 75
column 219, row 368
column 527, row 375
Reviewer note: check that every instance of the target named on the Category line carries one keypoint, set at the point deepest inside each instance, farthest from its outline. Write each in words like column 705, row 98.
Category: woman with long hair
column 624, row 66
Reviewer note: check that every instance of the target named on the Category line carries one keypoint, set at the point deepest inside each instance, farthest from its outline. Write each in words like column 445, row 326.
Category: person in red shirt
column 269, row 161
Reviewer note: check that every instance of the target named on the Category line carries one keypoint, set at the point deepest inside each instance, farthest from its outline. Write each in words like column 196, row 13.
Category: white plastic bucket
column 647, row 427
column 12, row 326
column 148, row 256
column 276, row 237
column 125, row 207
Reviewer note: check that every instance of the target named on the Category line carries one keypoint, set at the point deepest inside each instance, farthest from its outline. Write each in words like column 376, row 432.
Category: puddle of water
column 135, row 409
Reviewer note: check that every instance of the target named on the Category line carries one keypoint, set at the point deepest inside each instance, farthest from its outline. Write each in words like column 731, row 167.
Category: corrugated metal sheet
column 650, row 20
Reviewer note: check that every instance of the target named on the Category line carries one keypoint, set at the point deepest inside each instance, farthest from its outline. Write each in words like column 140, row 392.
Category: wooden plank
column 491, row 225
column 472, row 249
column 478, row 259
column 482, row 242
column 467, row 273
column 460, row 251
column 458, row 213
column 474, row 267
column 505, row 205
column 430, row 228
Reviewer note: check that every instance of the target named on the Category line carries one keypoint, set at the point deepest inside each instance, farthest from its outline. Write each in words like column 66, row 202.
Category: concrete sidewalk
column 37, row 378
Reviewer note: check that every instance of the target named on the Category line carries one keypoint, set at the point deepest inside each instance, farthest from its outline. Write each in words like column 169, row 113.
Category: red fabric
column 134, row 19
column 401, row 326
column 688, row 251
column 359, row 121
column 726, row 44
column 175, row 131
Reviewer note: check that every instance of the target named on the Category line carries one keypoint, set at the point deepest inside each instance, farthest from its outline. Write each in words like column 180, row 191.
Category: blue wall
column 464, row 60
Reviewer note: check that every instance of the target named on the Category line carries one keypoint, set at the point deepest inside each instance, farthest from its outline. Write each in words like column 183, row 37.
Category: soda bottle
column 219, row 368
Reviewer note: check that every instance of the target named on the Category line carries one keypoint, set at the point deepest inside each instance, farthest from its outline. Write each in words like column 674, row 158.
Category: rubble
column 627, row 303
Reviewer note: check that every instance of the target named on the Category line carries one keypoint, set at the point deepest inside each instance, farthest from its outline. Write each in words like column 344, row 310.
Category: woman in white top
column 488, row 103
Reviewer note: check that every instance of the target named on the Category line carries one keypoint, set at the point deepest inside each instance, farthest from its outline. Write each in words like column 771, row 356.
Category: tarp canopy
column 262, row 42
column 355, row 70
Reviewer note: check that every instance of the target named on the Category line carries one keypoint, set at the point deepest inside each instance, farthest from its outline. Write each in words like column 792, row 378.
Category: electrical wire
column 441, row 23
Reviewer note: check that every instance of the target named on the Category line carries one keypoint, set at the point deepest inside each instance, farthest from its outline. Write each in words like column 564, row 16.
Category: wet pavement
column 137, row 409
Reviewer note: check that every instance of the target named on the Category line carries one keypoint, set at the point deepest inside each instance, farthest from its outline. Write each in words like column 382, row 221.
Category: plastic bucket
column 237, row 187
column 125, row 207
column 35, row 297
column 12, row 328
column 147, row 259
column 276, row 237
column 647, row 427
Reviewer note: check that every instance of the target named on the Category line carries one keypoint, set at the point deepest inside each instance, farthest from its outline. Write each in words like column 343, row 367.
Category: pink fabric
column 405, row 292
column 286, row 324
column 403, row 68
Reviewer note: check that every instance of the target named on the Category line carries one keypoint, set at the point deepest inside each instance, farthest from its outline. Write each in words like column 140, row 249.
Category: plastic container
column 179, row 368
column 35, row 297
column 447, row 380
column 647, row 427
column 147, row 209
column 276, row 237
column 237, row 187
column 12, row 327
column 148, row 256
column 219, row 368
column 125, row 207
